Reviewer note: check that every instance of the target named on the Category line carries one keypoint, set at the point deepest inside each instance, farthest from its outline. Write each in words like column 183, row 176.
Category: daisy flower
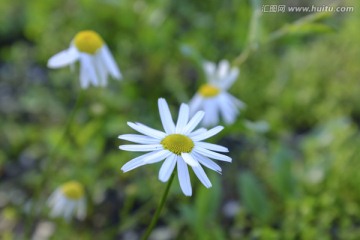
column 179, row 145
column 68, row 200
column 213, row 97
column 96, row 61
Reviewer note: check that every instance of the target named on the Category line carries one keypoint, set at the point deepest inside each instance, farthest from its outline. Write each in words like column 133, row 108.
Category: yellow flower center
column 88, row 41
column 73, row 190
column 177, row 143
column 208, row 90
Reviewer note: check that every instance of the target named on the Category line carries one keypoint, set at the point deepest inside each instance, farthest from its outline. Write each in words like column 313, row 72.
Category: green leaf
column 282, row 178
column 254, row 197
column 207, row 202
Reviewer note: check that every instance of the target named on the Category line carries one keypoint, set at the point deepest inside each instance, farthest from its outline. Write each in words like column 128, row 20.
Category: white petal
column 141, row 148
column 197, row 132
column 137, row 138
column 223, row 69
column 207, row 162
column 195, row 103
column 84, row 77
column 110, row 62
column 211, row 154
column 142, row 160
column 212, row 147
column 211, row 117
column 228, row 108
column 184, row 177
column 167, row 168
column 87, row 70
column 183, row 118
column 209, row 69
column 159, row 156
column 239, row 104
column 230, row 78
column 54, row 197
column 136, row 162
column 141, row 128
column 56, row 205
column 63, row 58
column 200, row 173
column 193, row 122
column 101, row 70
column 208, row 134
column 165, row 116
column 189, row 159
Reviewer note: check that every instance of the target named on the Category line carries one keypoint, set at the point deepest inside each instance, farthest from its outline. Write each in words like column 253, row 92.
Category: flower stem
column 51, row 160
column 252, row 41
column 48, row 167
column 158, row 210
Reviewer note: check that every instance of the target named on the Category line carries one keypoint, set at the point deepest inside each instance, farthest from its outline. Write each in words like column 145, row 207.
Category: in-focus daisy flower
column 96, row 61
column 68, row 200
column 213, row 97
column 179, row 145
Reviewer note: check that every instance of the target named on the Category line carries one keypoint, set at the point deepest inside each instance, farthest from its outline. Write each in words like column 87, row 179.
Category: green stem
column 252, row 41
column 78, row 103
column 158, row 210
column 48, row 167
column 51, row 160
column 253, row 44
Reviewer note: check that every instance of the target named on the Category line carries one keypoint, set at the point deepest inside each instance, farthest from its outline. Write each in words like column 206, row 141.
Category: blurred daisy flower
column 96, row 61
column 213, row 97
column 68, row 200
column 179, row 145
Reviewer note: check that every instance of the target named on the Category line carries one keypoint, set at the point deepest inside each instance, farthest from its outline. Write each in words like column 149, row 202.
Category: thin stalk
column 252, row 41
column 158, row 210
column 51, row 161
column 48, row 167
column 253, row 44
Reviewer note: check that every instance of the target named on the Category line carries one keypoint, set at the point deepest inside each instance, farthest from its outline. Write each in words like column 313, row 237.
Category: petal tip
column 161, row 100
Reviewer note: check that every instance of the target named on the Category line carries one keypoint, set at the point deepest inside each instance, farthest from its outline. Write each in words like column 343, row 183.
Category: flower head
column 179, row 145
column 213, row 97
column 96, row 61
column 68, row 200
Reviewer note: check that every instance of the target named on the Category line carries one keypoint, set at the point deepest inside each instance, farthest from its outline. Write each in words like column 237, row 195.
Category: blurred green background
column 295, row 148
